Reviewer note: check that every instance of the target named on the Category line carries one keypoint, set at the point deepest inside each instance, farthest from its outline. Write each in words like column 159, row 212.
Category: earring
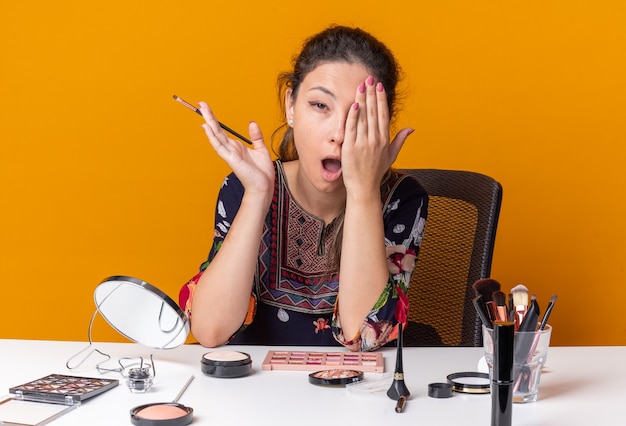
column 290, row 122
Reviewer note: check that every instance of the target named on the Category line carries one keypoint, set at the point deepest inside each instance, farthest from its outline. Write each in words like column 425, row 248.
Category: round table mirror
column 141, row 312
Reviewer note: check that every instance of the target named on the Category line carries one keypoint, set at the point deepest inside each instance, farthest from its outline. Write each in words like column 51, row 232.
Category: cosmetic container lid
column 469, row 382
column 440, row 390
column 227, row 358
column 335, row 377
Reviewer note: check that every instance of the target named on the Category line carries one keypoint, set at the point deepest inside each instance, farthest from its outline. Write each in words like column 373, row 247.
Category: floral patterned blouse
column 294, row 296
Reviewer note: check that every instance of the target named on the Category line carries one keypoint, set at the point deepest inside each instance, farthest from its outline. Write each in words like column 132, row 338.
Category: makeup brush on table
column 398, row 390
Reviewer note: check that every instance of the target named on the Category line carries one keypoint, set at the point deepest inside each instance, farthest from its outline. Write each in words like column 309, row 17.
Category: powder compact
column 161, row 414
column 226, row 364
column 336, row 377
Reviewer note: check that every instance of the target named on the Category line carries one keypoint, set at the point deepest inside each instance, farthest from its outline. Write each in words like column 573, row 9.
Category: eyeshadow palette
column 62, row 389
column 316, row 361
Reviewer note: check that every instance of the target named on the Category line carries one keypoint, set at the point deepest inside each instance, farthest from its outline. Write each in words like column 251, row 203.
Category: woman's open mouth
column 331, row 168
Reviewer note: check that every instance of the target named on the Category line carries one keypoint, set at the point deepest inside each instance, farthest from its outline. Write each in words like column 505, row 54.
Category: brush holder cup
column 530, row 355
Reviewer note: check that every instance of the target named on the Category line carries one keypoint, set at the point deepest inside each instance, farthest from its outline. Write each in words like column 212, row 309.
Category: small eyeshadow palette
column 62, row 389
column 316, row 361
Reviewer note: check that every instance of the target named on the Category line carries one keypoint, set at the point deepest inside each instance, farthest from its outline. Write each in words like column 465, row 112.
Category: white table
column 580, row 386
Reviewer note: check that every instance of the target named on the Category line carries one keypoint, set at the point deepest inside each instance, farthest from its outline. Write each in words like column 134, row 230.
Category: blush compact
column 161, row 414
column 226, row 364
column 336, row 377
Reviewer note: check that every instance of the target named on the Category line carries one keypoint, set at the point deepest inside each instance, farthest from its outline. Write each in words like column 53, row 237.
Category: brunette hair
column 337, row 44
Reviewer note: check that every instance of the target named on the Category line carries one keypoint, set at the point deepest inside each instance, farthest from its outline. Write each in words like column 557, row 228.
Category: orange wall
column 103, row 173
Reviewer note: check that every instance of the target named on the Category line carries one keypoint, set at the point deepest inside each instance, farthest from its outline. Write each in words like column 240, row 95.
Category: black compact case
column 220, row 364
column 335, row 377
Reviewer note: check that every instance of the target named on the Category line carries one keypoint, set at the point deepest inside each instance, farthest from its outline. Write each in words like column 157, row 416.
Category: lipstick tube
column 502, row 376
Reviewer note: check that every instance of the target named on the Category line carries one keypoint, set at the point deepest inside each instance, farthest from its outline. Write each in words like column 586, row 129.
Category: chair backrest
column 457, row 249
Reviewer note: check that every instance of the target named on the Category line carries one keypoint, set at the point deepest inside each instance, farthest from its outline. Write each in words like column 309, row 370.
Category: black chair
column 457, row 249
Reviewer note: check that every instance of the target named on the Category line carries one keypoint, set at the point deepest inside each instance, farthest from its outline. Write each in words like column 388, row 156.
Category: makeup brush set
column 514, row 347
column 493, row 305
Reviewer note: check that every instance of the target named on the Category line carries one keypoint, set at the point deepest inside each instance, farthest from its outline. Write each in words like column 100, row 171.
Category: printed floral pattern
column 321, row 324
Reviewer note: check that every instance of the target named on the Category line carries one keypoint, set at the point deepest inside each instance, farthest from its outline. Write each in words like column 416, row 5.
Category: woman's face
column 319, row 115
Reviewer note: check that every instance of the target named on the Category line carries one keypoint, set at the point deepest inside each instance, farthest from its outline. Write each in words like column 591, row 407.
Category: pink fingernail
column 355, row 106
column 370, row 81
column 379, row 87
column 362, row 88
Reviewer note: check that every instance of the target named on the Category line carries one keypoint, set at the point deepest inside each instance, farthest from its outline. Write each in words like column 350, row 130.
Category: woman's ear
column 289, row 103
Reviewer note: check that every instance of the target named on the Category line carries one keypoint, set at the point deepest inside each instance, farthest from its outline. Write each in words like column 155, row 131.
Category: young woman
column 318, row 246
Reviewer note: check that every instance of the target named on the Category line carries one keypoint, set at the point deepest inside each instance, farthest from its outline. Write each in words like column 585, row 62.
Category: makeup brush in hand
column 520, row 303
